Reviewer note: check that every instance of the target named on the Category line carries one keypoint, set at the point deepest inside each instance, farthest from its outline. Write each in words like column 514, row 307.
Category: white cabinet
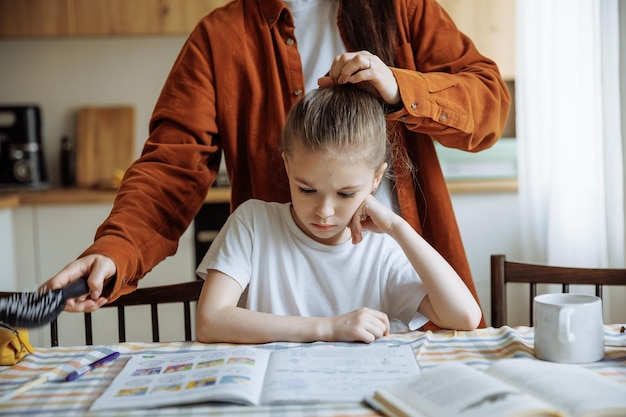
column 48, row 237
column 7, row 252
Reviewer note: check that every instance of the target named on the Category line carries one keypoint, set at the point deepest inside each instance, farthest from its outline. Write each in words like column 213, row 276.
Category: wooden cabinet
column 491, row 25
column 46, row 18
column 139, row 17
column 35, row 18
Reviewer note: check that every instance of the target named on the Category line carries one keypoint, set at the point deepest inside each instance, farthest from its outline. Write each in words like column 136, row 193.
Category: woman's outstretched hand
column 99, row 268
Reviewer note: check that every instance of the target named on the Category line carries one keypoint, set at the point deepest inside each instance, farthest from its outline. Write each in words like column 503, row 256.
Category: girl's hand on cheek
column 371, row 215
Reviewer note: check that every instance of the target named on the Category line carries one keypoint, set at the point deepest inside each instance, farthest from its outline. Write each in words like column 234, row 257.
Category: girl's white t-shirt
column 288, row 273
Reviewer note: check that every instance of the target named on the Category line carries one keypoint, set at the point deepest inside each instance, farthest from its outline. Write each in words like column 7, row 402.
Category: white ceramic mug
column 568, row 328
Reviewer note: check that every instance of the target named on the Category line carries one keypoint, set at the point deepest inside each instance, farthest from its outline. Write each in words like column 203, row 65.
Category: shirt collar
column 272, row 10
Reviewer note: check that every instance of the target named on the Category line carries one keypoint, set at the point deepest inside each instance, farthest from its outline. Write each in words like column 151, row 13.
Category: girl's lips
column 322, row 227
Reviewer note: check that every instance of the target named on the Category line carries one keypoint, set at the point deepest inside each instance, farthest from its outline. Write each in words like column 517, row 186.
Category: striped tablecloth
column 478, row 348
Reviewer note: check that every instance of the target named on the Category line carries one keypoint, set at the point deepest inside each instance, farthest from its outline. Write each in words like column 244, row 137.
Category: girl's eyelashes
column 313, row 190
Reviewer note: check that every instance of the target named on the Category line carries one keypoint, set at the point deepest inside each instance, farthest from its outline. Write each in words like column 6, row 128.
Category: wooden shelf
column 483, row 186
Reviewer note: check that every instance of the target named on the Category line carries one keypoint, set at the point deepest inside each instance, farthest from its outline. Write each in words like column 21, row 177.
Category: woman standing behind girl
column 335, row 264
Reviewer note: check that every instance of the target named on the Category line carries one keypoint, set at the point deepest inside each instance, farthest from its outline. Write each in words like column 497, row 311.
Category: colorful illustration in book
column 178, row 367
column 235, row 379
column 201, row 383
column 210, row 364
column 241, row 361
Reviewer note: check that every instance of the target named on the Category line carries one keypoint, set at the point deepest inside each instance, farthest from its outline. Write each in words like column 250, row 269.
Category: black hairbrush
column 37, row 308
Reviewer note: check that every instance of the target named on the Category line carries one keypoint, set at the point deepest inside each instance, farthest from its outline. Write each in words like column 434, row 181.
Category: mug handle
column 565, row 325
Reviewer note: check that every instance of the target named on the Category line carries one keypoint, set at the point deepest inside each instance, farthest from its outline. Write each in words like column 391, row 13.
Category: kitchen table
column 479, row 349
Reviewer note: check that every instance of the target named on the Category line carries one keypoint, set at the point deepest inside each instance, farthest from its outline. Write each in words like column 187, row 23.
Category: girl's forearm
column 239, row 325
column 449, row 297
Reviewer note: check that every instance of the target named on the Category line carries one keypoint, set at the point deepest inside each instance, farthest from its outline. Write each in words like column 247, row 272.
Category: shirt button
column 414, row 106
column 297, row 93
column 443, row 116
column 289, row 42
column 402, row 118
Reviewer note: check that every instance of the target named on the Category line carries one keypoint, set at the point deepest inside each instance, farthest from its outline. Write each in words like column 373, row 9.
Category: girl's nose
column 324, row 208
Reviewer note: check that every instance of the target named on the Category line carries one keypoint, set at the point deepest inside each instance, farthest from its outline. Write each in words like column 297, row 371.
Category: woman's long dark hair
column 370, row 25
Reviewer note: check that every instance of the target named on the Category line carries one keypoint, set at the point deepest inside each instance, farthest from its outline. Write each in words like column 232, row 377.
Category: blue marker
column 88, row 368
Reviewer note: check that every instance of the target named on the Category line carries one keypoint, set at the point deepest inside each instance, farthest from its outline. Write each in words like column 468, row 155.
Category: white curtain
column 571, row 175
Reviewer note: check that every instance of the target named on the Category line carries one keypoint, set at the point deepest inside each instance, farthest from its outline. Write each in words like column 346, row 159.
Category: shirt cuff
column 417, row 321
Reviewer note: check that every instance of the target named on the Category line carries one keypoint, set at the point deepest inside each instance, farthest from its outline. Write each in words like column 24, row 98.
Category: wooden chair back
column 183, row 293
column 504, row 272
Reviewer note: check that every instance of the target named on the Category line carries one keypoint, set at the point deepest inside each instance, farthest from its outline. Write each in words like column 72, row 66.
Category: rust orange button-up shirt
column 229, row 92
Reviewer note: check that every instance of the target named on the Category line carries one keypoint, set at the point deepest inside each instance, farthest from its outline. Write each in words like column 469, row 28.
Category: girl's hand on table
column 362, row 325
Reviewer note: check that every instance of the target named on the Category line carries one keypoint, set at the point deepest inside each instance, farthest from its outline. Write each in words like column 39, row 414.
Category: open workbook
column 255, row 376
column 509, row 388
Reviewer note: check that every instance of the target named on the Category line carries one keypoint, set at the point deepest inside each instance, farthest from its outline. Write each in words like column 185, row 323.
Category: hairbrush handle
column 76, row 288
column 36, row 308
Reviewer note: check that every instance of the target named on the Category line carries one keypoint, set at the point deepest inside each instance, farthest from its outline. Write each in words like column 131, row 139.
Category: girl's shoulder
column 259, row 209
column 256, row 204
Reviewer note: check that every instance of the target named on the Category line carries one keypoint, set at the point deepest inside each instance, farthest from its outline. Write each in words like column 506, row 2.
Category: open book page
column 572, row 388
column 232, row 375
column 328, row 373
column 457, row 390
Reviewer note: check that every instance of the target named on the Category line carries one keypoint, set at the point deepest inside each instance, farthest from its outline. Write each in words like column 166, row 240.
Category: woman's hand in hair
column 365, row 70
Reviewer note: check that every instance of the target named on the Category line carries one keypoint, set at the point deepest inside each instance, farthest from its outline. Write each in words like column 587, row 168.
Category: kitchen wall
column 62, row 75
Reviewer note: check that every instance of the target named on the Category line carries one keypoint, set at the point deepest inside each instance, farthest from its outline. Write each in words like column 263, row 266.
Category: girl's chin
column 330, row 237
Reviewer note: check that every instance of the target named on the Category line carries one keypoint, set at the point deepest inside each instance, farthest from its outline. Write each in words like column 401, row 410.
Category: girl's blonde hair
column 344, row 119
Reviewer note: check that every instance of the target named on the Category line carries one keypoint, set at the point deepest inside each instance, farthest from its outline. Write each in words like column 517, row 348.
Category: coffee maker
column 22, row 163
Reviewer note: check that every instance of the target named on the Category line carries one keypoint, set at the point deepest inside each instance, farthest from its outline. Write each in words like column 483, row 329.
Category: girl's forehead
column 343, row 156
column 327, row 169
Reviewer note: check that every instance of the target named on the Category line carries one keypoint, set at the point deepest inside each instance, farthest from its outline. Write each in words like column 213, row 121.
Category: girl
column 335, row 264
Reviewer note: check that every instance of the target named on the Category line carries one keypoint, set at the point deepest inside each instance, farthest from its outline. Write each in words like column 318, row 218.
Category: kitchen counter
column 83, row 196
column 215, row 195
column 9, row 201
